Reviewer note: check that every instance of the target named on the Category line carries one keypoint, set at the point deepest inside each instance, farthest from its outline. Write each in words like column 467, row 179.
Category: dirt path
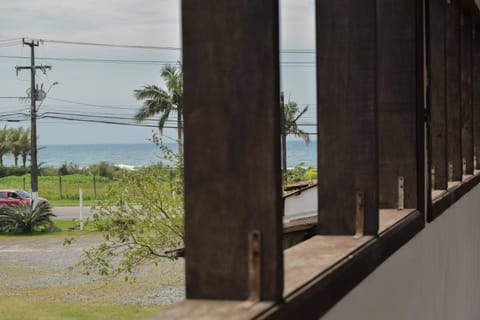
column 42, row 268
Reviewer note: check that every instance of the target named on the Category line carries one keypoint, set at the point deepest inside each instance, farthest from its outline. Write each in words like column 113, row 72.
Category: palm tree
column 25, row 146
column 25, row 218
column 14, row 136
column 164, row 102
column 5, row 146
column 291, row 116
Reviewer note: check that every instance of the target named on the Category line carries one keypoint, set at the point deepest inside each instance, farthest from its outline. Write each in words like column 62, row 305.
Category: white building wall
column 435, row 276
column 302, row 204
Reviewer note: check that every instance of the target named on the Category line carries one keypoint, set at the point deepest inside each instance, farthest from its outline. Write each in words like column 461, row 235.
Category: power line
column 108, row 122
column 111, row 45
column 10, row 39
column 138, row 62
column 96, row 116
column 91, row 104
column 170, row 48
column 96, row 60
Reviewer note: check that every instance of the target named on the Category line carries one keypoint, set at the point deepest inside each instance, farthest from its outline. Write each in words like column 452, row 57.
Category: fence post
column 81, row 209
column 94, row 187
column 60, row 187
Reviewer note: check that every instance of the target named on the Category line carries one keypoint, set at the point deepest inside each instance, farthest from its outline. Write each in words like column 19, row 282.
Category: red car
column 11, row 197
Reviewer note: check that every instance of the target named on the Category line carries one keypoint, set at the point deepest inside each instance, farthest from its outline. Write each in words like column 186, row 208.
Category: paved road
column 71, row 212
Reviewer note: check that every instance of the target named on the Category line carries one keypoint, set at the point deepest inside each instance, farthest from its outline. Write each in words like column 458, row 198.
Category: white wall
column 302, row 204
column 435, row 276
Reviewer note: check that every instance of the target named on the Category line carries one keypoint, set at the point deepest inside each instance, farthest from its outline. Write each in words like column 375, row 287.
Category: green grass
column 49, row 187
column 68, row 228
column 25, row 308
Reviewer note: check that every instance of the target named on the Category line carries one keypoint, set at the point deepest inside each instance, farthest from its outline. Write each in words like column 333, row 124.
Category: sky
column 98, row 91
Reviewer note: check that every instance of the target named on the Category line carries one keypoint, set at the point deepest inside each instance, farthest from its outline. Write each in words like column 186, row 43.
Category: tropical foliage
column 142, row 217
column 291, row 115
column 301, row 173
column 164, row 102
column 15, row 141
column 25, row 218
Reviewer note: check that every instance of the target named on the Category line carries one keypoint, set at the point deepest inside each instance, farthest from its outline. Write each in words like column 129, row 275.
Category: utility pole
column 283, row 141
column 34, row 96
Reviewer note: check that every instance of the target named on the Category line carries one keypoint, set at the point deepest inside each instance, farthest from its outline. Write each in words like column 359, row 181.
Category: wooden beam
column 232, row 148
column 436, row 15
column 346, row 112
column 454, row 136
column 476, row 94
column 400, row 93
column 466, row 27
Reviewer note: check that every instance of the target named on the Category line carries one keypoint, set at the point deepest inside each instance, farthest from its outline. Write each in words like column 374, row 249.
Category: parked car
column 12, row 197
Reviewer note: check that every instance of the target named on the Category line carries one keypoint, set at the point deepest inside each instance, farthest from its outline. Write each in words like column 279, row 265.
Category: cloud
column 122, row 21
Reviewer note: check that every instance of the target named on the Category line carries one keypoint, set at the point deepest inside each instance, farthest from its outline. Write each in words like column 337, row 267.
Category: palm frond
column 25, row 218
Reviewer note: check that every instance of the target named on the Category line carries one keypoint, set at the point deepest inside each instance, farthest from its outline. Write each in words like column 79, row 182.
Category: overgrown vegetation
column 21, row 308
column 142, row 216
column 26, row 218
column 95, row 180
column 300, row 173
column 15, row 142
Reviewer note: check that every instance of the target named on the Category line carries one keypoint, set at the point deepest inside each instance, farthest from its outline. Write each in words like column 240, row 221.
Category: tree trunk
column 24, row 160
column 180, row 131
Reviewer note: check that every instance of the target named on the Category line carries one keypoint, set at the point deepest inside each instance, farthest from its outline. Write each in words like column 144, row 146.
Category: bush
column 13, row 171
column 48, row 171
column 105, row 169
column 70, row 168
column 25, row 218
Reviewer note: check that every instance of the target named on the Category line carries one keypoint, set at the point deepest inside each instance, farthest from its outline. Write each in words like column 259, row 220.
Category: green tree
column 142, row 217
column 5, row 146
column 291, row 115
column 25, row 218
column 25, row 146
column 14, row 137
column 164, row 102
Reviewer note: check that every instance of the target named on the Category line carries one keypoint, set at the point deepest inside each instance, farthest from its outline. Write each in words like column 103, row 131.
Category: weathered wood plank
column 400, row 101
column 466, row 91
column 436, row 94
column 232, row 146
column 454, row 136
column 476, row 94
column 346, row 113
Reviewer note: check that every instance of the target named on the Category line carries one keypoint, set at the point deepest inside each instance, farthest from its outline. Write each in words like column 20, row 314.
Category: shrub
column 48, row 171
column 105, row 169
column 70, row 168
column 25, row 218
column 13, row 171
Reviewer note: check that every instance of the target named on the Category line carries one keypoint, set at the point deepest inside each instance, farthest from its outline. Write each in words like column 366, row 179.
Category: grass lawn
column 83, row 299
column 49, row 187
column 21, row 309
column 66, row 227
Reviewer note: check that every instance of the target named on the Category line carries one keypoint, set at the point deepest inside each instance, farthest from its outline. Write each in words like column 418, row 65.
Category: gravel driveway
column 42, row 268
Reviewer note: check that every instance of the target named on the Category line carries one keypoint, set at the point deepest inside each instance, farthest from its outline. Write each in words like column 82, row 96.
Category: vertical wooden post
column 436, row 13
column 400, row 101
column 94, row 187
column 466, row 90
column 60, row 196
column 454, row 136
column 232, row 147
column 347, row 115
column 476, row 94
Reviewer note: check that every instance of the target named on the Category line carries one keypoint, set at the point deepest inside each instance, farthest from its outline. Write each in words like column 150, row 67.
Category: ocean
column 142, row 154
